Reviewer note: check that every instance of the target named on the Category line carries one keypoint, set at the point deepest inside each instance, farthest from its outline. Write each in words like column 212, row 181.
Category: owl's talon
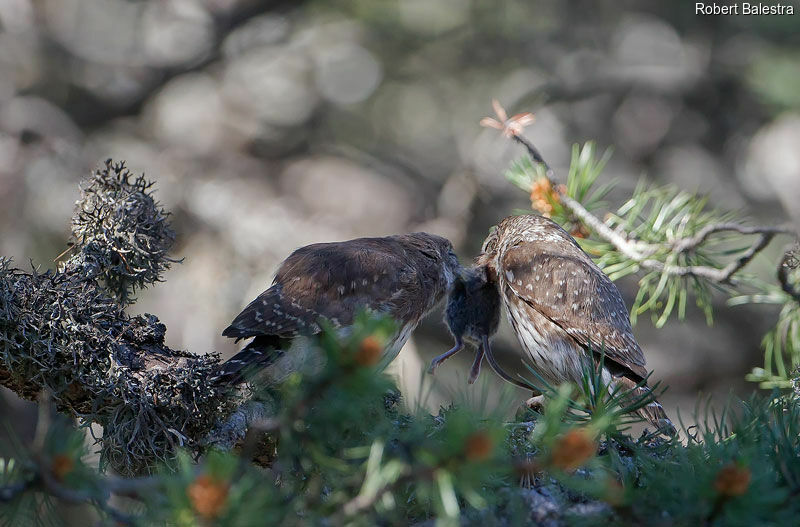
column 536, row 403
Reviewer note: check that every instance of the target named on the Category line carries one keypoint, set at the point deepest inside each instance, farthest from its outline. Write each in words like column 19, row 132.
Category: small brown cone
column 369, row 351
column 479, row 446
column 573, row 449
column 732, row 480
column 208, row 496
column 61, row 466
column 543, row 195
column 614, row 493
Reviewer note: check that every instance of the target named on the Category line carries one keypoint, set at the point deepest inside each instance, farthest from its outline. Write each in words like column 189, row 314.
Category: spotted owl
column 403, row 276
column 562, row 307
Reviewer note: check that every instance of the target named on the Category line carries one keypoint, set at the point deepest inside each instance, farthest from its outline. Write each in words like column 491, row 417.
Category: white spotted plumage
column 562, row 307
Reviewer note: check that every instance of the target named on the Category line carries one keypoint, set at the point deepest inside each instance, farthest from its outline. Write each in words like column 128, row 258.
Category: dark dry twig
column 692, row 242
column 76, row 497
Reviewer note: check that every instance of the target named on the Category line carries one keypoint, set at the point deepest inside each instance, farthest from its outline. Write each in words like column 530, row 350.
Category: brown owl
column 562, row 306
column 403, row 276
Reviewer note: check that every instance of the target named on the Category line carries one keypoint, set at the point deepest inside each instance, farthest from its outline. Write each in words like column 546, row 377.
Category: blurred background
column 269, row 125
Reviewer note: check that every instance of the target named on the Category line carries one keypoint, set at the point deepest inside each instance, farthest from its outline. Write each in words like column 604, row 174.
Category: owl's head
column 523, row 228
column 439, row 250
column 488, row 255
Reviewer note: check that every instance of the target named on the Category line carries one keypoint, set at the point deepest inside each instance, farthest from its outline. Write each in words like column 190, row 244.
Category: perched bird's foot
column 666, row 427
column 526, row 481
column 536, row 403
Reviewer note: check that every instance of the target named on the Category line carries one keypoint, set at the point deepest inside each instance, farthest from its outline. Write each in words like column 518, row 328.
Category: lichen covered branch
column 66, row 332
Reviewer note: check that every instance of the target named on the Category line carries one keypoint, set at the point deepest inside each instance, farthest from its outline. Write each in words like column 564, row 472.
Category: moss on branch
column 66, row 331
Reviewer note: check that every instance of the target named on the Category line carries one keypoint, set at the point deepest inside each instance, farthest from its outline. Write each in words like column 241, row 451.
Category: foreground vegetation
column 345, row 452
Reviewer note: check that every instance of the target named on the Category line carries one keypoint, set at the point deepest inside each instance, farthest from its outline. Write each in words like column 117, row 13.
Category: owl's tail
column 262, row 351
column 653, row 412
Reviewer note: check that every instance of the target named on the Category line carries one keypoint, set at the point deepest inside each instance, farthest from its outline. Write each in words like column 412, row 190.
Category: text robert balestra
column 742, row 8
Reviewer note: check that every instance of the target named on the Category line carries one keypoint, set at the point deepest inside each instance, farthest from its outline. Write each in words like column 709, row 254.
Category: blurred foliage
column 782, row 343
column 349, row 455
column 774, row 78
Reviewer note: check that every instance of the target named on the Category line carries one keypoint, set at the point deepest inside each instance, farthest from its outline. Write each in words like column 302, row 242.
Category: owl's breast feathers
column 559, row 282
column 562, row 305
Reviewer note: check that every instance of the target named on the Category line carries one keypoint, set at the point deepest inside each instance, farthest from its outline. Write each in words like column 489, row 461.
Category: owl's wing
column 334, row 281
column 577, row 296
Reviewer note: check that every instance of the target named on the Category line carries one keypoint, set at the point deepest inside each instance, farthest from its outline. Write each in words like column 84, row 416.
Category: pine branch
column 640, row 252
column 74, row 497
column 692, row 242
column 45, row 471
column 789, row 262
column 105, row 487
column 362, row 502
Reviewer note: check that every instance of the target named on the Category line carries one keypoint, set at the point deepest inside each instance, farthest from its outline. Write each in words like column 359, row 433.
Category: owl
column 404, row 276
column 473, row 315
column 563, row 308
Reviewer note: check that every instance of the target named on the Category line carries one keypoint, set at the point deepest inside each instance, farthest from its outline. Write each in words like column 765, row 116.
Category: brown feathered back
column 403, row 276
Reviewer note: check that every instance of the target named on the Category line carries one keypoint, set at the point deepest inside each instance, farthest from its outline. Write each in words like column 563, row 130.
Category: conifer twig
column 788, row 263
column 640, row 252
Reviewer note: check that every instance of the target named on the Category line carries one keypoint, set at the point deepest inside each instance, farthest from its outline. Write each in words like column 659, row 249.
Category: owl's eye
column 490, row 243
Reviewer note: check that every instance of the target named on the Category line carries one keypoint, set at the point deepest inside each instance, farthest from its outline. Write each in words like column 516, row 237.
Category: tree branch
column 641, row 252
column 789, row 262
column 691, row 243
column 67, row 333
column 41, row 472
column 362, row 502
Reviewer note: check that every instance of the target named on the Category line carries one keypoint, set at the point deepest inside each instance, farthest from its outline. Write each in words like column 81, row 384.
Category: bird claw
column 536, row 403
